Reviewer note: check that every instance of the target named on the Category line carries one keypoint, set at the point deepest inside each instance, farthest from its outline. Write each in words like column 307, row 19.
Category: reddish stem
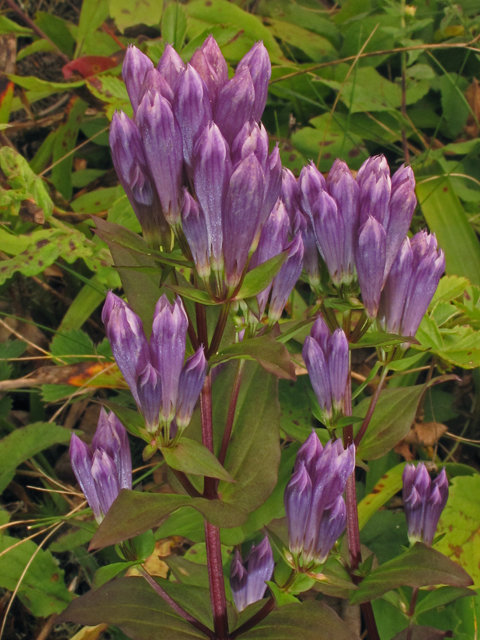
column 371, row 408
column 267, row 608
column 231, row 412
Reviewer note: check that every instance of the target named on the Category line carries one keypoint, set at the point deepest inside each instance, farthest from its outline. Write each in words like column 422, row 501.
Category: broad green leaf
column 440, row 597
column 9, row 26
column 111, row 90
column 383, row 491
column 253, row 454
column 449, row 288
column 132, row 605
column 192, row 457
column 420, row 566
column 196, row 295
column 377, row 339
column 446, row 217
column 174, row 25
column 461, row 347
column 34, row 47
column 74, row 342
column 133, row 512
column 110, row 571
column 95, row 201
column 25, row 442
column 36, row 84
column 460, row 522
column 92, row 16
column 77, row 536
column 43, row 590
column 128, row 13
column 316, row 47
column 259, row 278
column 57, row 30
column 223, row 12
column 394, row 415
column 188, row 572
column 86, row 301
column 272, row 355
column 454, row 105
column 302, row 621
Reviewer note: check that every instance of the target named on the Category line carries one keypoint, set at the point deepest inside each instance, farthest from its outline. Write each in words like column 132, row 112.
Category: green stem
column 219, row 329
column 411, row 613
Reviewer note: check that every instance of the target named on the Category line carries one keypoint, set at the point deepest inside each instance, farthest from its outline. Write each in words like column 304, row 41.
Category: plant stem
column 231, row 411
column 411, row 612
column 176, row 607
column 201, row 324
column 186, row 484
column 212, row 534
column 353, row 529
column 267, row 608
column 219, row 329
column 371, row 408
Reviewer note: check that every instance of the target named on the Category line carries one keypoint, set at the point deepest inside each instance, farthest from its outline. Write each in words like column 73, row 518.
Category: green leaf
column 445, row 216
column 43, row 590
column 174, row 25
column 132, row 605
column 84, row 304
column 272, row 355
column 423, row 633
column 110, row 571
column 34, row 47
column 258, row 279
column 454, row 105
column 383, row 491
column 112, row 91
column 95, row 201
column 36, row 84
column 449, row 288
column 74, row 342
column 128, row 13
column 25, row 442
column 190, row 293
column 393, row 416
column 63, row 146
column 460, row 524
column 302, row 621
column 133, row 512
column 132, row 420
column 440, row 597
column 316, row 47
column 377, row 339
column 92, row 16
column 192, row 457
column 56, row 29
column 253, row 454
column 77, row 536
column 223, row 12
column 420, row 566
column 9, row 26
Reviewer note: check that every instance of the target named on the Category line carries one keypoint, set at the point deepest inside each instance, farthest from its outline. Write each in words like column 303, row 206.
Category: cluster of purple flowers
column 248, row 577
column 105, row 467
column 165, row 387
column 314, row 504
column 195, row 159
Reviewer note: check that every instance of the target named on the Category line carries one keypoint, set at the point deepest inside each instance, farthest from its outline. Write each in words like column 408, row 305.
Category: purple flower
column 135, row 67
column 131, row 165
column 170, row 65
column 411, row 284
column 105, row 468
column 154, row 81
column 258, row 64
column 290, row 193
column 327, row 360
column 248, row 577
column 211, row 66
column 370, row 260
column 314, row 506
column 235, row 105
column 424, row 501
column 194, row 227
column 162, row 141
column 164, row 387
column 286, row 279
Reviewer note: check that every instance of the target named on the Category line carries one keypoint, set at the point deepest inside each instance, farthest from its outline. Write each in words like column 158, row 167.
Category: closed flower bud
column 130, row 163
column 170, row 65
column 154, row 81
column 370, row 262
column 314, row 506
column 242, row 216
column 375, row 184
column 424, row 502
column 251, row 138
column 392, row 302
column 248, row 578
column 194, row 227
column 401, row 207
column 192, row 378
column 310, row 256
column 330, row 232
column 211, row 66
column 167, row 345
column 191, row 108
column 212, row 171
column 286, row 279
column 149, row 389
column 327, row 360
column 311, row 183
column 162, row 140
column 105, row 468
column 135, row 67
column 290, row 193
column 258, row 63
column 235, row 105
column 273, row 183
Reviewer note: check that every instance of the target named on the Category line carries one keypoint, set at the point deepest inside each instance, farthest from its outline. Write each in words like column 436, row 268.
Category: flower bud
column 423, row 501
column 130, row 163
column 286, row 279
column 170, row 65
column 392, row 302
column 212, row 171
column 235, row 105
column 370, row 262
column 242, row 216
column 290, row 193
column 310, row 183
column 104, row 469
column 375, row 184
column 273, row 183
column 211, row 66
column 310, row 256
column 251, row 138
column 149, row 389
column 401, row 207
column 248, row 578
column 154, row 81
column 195, row 229
column 257, row 62
column 135, row 67
column 191, row 108
column 167, row 346
column 191, row 383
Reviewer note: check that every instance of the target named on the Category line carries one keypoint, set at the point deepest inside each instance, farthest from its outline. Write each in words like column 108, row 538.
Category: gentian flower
column 248, row 577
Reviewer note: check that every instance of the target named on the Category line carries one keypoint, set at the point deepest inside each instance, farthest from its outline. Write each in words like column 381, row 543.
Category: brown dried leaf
column 472, row 96
column 426, row 434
